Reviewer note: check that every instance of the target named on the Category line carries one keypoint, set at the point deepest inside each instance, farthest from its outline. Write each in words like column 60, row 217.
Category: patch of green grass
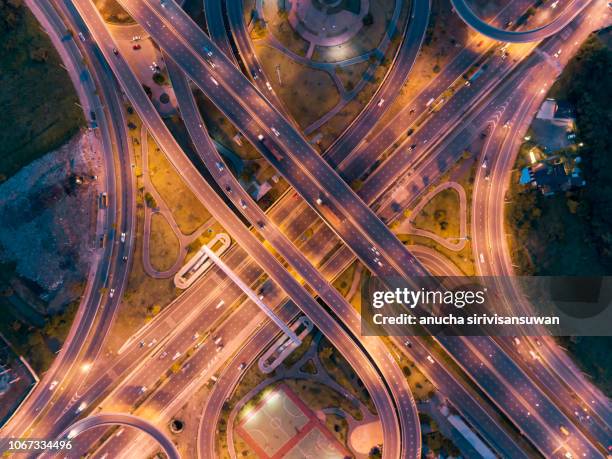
column 112, row 12
column 339, row 427
column 309, row 367
column 440, row 215
column 187, row 210
column 39, row 111
column 344, row 281
column 342, row 372
column 163, row 244
column 144, row 296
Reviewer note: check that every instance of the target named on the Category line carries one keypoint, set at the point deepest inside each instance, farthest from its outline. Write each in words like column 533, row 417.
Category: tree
column 159, row 78
column 375, row 452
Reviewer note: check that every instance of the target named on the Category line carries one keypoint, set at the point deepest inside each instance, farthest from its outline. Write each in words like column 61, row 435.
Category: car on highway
column 208, row 52
column 215, row 82
column 53, row 384
column 82, row 37
column 381, row 102
column 564, row 430
column 123, row 237
column 430, row 359
column 195, row 336
column 176, row 355
column 220, row 304
column 242, row 366
column 81, row 407
column 143, row 389
column 115, row 52
column 136, row 46
column 269, row 86
column 261, row 225
column 219, row 166
column 162, row 355
column 243, row 204
column 276, row 133
column 111, row 293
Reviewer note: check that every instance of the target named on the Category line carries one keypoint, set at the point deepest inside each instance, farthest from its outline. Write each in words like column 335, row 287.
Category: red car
column 136, row 46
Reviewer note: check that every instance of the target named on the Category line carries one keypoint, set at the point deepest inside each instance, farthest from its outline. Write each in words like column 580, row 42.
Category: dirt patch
column 48, row 212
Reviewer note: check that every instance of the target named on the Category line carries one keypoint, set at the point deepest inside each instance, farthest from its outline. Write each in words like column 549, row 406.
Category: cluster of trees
column 576, row 225
column 592, row 98
column 39, row 112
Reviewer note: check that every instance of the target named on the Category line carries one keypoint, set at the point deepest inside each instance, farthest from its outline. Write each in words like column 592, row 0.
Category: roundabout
column 328, row 22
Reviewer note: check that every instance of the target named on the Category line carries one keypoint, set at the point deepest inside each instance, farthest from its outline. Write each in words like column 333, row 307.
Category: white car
column 111, row 293
column 430, row 358
column 143, row 389
column 215, row 82
column 219, row 166
column 381, row 102
column 53, row 385
column 260, row 137
column 276, row 133
column 123, row 237
column 81, row 407
column 176, row 356
column 269, row 86
column 219, row 304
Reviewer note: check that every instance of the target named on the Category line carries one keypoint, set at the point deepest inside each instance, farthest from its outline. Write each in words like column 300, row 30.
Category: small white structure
column 198, row 265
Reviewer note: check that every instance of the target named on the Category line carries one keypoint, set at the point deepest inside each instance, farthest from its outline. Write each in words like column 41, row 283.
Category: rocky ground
column 48, row 212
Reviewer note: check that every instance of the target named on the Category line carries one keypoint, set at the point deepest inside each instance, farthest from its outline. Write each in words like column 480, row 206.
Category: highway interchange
column 350, row 233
